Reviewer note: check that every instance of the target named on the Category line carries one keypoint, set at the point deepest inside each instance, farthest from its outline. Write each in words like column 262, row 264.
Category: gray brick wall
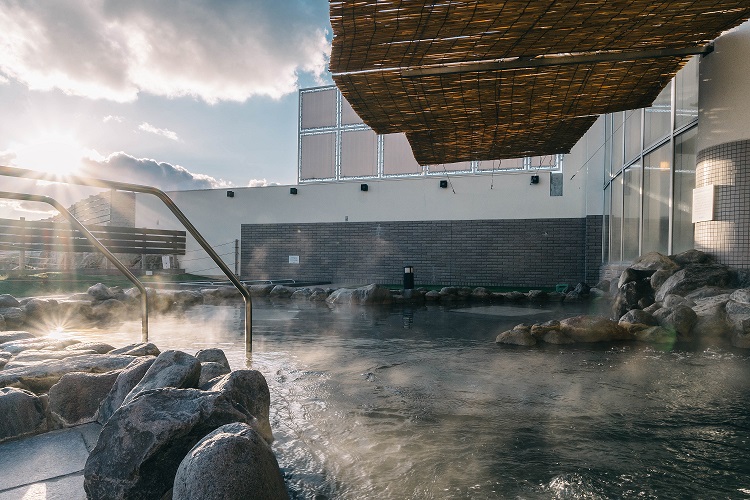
column 538, row 252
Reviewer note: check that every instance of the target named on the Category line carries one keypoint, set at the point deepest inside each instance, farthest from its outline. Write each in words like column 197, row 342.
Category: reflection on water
column 420, row 403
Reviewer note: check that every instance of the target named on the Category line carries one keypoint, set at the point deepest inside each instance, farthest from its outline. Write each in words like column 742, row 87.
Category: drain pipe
column 94, row 241
column 123, row 186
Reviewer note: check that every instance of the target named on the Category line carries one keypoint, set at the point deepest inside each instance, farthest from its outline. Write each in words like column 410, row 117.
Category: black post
column 408, row 278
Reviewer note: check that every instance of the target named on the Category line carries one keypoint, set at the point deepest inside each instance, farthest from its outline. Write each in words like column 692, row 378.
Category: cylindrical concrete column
column 723, row 159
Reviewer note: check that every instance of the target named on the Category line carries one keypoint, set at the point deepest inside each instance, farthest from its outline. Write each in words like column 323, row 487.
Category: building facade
column 363, row 208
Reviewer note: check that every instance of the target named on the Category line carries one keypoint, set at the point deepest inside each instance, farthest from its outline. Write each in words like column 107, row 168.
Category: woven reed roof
column 502, row 79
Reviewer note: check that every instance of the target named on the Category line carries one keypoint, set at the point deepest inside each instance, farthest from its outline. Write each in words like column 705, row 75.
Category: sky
column 188, row 94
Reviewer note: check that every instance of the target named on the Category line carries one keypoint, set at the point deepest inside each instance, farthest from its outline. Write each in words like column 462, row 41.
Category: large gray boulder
column 693, row 277
column 8, row 301
column 281, row 291
column 32, row 356
column 14, row 335
column 712, row 318
column 100, row 291
column 211, row 370
column 139, row 349
column 260, row 290
column 35, row 344
column 99, row 347
column 593, row 329
column 21, row 413
column 126, row 380
column 170, row 369
column 519, row 335
column 75, row 399
column 738, row 319
column 691, row 256
column 212, row 355
column 654, row 261
column 142, row 444
column 184, row 299
column 14, row 317
column 638, row 317
column 249, row 389
column 39, row 377
column 680, row 319
column 39, row 311
column 370, row 294
column 231, row 463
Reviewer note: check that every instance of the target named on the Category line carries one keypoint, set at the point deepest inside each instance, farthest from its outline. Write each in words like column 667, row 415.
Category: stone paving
column 47, row 466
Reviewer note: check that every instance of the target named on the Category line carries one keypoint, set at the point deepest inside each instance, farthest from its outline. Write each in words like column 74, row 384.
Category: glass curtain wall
column 650, row 158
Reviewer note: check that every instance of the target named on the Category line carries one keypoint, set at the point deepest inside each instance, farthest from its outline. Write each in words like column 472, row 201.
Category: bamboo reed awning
column 478, row 80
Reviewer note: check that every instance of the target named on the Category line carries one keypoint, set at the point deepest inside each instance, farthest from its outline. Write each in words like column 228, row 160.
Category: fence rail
column 61, row 237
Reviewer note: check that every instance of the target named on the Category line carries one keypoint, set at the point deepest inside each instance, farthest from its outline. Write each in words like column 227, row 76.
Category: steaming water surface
column 420, row 403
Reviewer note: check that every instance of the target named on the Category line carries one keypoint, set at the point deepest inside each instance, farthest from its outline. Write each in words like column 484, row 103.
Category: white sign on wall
column 703, row 203
column 294, row 259
column 165, row 264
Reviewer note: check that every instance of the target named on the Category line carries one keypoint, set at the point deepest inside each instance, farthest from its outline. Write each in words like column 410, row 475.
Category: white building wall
column 505, row 195
column 724, row 99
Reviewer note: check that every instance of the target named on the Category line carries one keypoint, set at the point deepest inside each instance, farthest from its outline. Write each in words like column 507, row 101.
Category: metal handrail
column 94, row 241
column 123, row 186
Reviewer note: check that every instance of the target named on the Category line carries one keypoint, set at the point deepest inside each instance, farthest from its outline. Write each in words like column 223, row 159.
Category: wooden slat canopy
column 514, row 71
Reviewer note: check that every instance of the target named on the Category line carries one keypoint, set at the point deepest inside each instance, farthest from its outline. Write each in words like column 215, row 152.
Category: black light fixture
column 363, row 187
column 292, row 190
column 534, row 179
column 444, row 184
column 230, row 194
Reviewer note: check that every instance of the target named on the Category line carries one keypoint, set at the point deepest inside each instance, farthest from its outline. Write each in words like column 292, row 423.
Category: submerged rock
column 519, row 335
column 593, row 329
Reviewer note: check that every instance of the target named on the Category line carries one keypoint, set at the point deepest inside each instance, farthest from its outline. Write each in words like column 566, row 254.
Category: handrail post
column 94, row 241
column 137, row 188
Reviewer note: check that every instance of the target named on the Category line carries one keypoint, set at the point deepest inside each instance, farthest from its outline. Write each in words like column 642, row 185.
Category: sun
column 59, row 155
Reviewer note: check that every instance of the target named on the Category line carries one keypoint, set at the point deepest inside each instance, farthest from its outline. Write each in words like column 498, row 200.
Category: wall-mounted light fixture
column 363, row 187
column 230, row 194
column 292, row 190
column 534, row 179
column 444, row 184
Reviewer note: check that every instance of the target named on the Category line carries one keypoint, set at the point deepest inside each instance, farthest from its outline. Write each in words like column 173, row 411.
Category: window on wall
column 632, row 131
column 656, row 178
column 631, row 212
column 617, row 142
column 606, row 221
column 684, row 182
column 615, row 227
column 686, row 94
column 658, row 117
column 642, row 216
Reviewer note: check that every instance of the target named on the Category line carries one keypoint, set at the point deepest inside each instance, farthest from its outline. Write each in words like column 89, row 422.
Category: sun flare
column 55, row 155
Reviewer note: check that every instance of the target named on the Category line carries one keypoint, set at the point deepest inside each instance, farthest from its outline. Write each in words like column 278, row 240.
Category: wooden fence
column 30, row 236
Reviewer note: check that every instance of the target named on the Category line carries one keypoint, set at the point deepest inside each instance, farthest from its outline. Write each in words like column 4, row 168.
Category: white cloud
column 113, row 118
column 208, row 49
column 257, row 183
column 125, row 168
column 7, row 158
column 169, row 134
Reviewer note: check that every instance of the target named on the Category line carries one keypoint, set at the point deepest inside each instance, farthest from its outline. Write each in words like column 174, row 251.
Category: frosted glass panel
column 617, row 142
column 616, row 221
column 631, row 212
column 318, row 158
column 686, row 90
column 684, row 183
column 348, row 115
column 359, row 153
column 398, row 157
column 319, row 109
column 450, row 167
column 507, row 164
column 656, row 175
column 632, row 134
column 659, row 117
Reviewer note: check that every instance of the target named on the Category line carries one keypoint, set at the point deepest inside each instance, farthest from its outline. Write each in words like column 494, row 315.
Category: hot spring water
column 420, row 403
